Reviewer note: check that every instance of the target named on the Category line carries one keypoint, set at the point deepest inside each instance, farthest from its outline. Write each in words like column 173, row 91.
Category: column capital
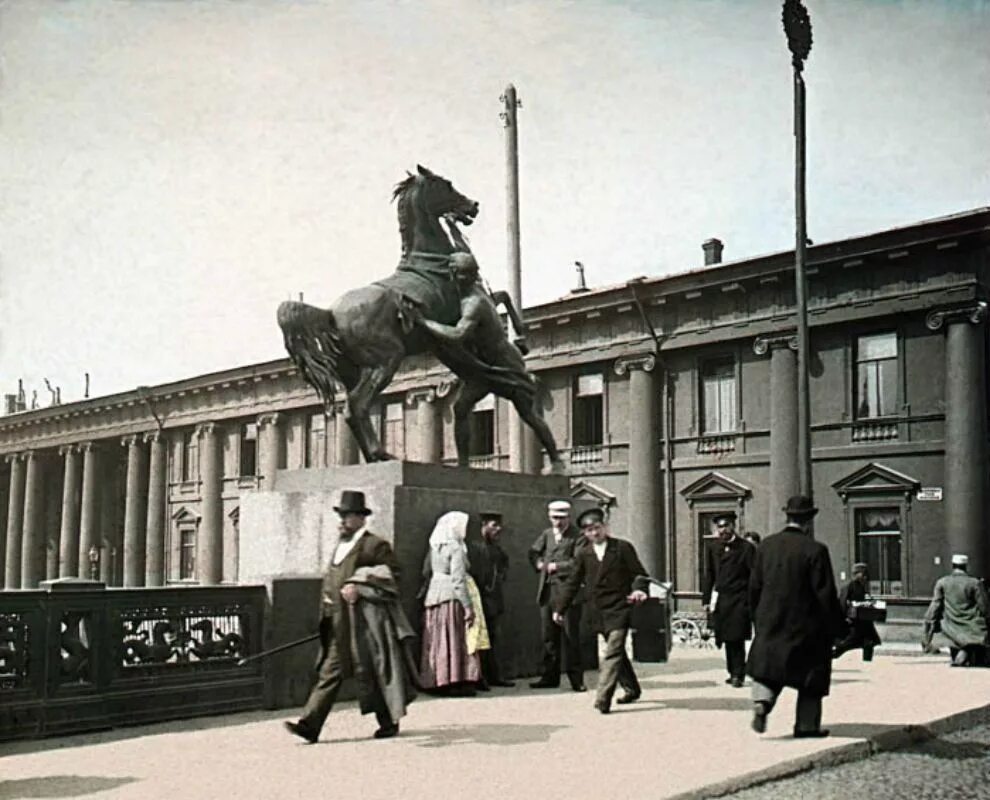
column 132, row 440
column 424, row 395
column 975, row 313
column 445, row 387
column 770, row 341
column 153, row 437
column 646, row 362
column 205, row 429
column 68, row 449
column 86, row 447
column 272, row 418
column 12, row 458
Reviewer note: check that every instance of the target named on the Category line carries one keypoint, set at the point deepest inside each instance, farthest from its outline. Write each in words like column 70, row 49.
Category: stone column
column 15, row 522
column 345, row 445
column 209, row 540
column 643, row 511
column 68, row 561
column 135, row 511
column 783, row 481
column 428, row 424
column 525, row 451
column 34, row 544
column 965, row 476
column 89, row 514
column 269, row 443
column 154, row 566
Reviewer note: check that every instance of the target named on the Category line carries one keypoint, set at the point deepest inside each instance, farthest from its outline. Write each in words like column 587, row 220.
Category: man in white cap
column 552, row 556
column 959, row 606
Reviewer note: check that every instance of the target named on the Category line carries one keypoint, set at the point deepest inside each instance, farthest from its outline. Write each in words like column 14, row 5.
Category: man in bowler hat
column 489, row 566
column 616, row 580
column 552, row 556
column 797, row 616
column 726, row 593
column 356, row 547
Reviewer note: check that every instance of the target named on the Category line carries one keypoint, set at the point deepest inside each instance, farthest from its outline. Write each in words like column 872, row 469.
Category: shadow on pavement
column 949, row 751
column 694, row 704
column 483, row 734
column 677, row 667
column 135, row 731
column 659, row 683
column 59, row 786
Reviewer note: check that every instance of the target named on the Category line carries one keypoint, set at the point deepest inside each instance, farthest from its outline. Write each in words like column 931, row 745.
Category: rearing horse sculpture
column 360, row 341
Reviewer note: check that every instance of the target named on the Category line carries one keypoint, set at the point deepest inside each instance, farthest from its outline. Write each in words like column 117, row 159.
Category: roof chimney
column 713, row 251
column 581, row 285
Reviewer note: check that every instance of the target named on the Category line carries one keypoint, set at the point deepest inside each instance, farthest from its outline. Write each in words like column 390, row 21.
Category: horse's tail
column 313, row 340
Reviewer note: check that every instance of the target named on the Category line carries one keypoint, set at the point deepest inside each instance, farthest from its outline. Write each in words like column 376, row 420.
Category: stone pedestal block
column 286, row 534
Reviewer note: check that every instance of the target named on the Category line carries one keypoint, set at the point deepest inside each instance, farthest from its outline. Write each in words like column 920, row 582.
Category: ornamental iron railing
column 76, row 656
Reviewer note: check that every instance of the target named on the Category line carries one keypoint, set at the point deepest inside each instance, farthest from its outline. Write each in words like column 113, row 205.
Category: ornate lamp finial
column 797, row 26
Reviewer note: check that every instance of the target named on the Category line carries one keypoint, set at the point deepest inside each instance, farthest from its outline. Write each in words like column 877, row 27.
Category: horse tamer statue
column 433, row 302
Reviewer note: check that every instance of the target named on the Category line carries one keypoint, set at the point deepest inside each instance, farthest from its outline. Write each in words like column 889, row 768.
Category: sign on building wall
column 930, row 493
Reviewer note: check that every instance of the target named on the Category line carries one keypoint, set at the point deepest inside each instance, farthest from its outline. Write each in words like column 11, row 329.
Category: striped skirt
column 445, row 658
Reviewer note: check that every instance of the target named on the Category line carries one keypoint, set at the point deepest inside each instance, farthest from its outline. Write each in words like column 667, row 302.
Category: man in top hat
column 862, row 632
column 959, row 605
column 489, row 566
column 356, row 547
column 615, row 580
column 797, row 616
column 725, row 593
column 552, row 556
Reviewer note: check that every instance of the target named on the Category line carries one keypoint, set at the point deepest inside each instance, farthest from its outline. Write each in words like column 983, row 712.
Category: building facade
column 672, row 398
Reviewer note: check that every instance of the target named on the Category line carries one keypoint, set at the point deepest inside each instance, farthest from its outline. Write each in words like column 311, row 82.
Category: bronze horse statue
column 360, row 341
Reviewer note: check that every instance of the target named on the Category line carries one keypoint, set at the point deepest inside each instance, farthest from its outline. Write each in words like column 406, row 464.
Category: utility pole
column 522, row 442
column 797, row 27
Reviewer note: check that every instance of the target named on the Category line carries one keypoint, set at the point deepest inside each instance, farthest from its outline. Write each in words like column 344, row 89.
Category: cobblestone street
column 955, row 766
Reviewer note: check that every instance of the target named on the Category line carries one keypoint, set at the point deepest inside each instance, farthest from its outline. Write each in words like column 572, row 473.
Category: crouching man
column 616, row 579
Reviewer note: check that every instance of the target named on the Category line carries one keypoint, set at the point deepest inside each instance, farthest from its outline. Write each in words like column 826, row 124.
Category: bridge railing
column 75, row 656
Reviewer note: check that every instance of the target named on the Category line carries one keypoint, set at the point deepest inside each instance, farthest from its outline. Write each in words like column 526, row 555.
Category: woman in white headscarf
column 448, row 611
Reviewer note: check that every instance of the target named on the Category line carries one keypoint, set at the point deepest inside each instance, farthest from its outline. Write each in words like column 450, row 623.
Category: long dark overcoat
column 796, row 613
column 729, row 567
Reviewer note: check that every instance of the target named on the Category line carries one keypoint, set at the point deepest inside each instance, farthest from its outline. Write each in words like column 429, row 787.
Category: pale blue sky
column 172, row 170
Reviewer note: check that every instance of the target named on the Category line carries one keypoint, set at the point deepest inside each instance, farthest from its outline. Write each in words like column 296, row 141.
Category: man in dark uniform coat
column 489, row 566
column 862, row 632
column 615, row 579
column 356, row 547
column 730, row 560
column 797, row 616
column 552, row 556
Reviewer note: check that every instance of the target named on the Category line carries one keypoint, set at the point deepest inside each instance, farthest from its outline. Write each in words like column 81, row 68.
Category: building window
column 878, row 545
column 249, row 448
column 589, row 423
column 876, row 375
column 187, row 553
column 483, row 427
column 393, row 433
column 718, row 396
column 189, row 448
column 316, row 440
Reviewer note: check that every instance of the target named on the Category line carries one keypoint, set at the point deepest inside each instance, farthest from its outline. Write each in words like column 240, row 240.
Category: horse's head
column 440, row 198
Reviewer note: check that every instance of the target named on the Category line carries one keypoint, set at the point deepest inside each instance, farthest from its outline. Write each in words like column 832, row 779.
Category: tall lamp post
column 797, row 26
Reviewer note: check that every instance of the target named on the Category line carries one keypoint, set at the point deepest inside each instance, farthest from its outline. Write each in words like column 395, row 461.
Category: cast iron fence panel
column 77, row 659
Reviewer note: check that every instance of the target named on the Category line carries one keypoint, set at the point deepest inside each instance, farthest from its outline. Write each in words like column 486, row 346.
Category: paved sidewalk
column 689, row 731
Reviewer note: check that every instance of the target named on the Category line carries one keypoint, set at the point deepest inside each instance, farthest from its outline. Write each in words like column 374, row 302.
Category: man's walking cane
column 311, row 638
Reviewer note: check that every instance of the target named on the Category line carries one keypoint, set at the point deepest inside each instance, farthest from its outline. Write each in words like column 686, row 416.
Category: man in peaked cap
column 959, row 605
column 725, row 593
column 356, row 552
column 489, row 566
column 862, row 632
column 797, row 617
column 616, row 580
column 552, row 556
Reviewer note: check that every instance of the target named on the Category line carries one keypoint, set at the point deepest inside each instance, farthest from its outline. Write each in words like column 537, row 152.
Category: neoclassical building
column 672, row 397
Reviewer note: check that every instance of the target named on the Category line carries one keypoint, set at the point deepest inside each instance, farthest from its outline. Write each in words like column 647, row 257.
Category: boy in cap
column 617, row 580
column 959, row 604
column 862, row 633
column 552, row 556
column 725, row 593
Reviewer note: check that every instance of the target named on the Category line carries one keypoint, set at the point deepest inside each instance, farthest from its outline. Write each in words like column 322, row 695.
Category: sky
column 172, row 170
